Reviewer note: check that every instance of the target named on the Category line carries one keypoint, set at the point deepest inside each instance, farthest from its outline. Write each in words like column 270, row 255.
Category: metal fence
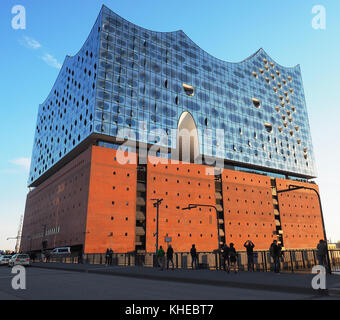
column 291, row 261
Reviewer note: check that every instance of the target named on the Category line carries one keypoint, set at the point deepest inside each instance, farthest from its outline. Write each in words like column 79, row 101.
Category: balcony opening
column 256, row 102
column 268, row 127
column 187, row 138
column 189, row 90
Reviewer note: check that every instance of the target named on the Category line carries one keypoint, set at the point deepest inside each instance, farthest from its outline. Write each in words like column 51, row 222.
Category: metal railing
column 291, row 261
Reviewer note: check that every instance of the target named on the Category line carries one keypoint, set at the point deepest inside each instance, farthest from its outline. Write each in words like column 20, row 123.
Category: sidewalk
column 284, row 282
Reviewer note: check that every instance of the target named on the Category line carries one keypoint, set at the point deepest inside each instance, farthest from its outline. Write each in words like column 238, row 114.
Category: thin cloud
column 51, row 61
column 30, row 43
column 22, row 162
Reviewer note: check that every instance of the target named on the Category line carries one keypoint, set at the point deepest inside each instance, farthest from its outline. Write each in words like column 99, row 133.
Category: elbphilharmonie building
column 247, row 137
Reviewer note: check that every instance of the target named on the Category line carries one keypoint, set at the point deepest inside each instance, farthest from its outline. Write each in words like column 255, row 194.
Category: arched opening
column 187, row 138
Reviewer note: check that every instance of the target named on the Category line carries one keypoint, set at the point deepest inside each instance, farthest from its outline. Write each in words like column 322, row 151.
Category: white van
column 61, row 251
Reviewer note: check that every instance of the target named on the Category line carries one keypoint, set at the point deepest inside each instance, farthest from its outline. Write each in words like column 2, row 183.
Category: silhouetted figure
column 161, row 258
column 250, row 254
column 80, row 256
column 170, row 256
column 107, row 257
column 275, row 252
column 321, row 253
column 233, row 257
column 225, row 257
column 110, row 256
column 194, row 257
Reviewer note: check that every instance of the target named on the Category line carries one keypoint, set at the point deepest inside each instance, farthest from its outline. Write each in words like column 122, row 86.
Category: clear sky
column 230, row 30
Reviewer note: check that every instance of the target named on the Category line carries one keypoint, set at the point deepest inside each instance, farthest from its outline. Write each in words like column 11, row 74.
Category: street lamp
column 195, row 205
column 156, row 205
column 293, row 187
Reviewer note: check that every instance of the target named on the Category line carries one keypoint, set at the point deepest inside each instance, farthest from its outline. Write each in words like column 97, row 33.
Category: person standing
column 107, row 257
column 275, row 252
column 233, row 257
column 250, row 254
column 110, row 256
column 161, row 258
column 225, row 256
column 169, row 256
column 194, row 257
column 321, row 253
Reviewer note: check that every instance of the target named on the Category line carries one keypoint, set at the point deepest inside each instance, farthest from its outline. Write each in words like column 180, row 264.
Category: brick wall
column 300, row 216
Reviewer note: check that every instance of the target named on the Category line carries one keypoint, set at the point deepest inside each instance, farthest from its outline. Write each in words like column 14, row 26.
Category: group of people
column 229, row 256
column 169, row 257
column 108, row 257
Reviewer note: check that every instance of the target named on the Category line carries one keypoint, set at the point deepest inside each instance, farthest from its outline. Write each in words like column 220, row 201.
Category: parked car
column 60, row 251
column 19, row 259
column 4, row 259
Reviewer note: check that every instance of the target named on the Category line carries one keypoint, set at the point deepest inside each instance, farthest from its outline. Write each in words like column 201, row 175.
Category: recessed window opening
column 189, row 90
column 268, row 127
column 256, row 102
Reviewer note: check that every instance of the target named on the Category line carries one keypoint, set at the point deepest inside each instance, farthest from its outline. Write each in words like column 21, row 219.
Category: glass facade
column 125, row 74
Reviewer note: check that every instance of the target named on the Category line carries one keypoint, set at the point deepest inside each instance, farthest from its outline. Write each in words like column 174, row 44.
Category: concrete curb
column 219, row 283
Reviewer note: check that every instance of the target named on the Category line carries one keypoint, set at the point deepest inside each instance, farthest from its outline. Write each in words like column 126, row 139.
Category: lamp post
column 195, row 205
column 14, row 238
column 156, row 204
column 293, row 187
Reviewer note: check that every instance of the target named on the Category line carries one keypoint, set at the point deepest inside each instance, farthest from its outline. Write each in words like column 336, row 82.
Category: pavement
column 296, row 283
column 49, row 284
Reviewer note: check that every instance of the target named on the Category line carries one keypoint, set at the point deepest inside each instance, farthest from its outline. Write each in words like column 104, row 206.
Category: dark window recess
column 189, row 90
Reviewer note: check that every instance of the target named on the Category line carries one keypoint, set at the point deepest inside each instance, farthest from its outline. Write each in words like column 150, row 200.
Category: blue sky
column 230, row 30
